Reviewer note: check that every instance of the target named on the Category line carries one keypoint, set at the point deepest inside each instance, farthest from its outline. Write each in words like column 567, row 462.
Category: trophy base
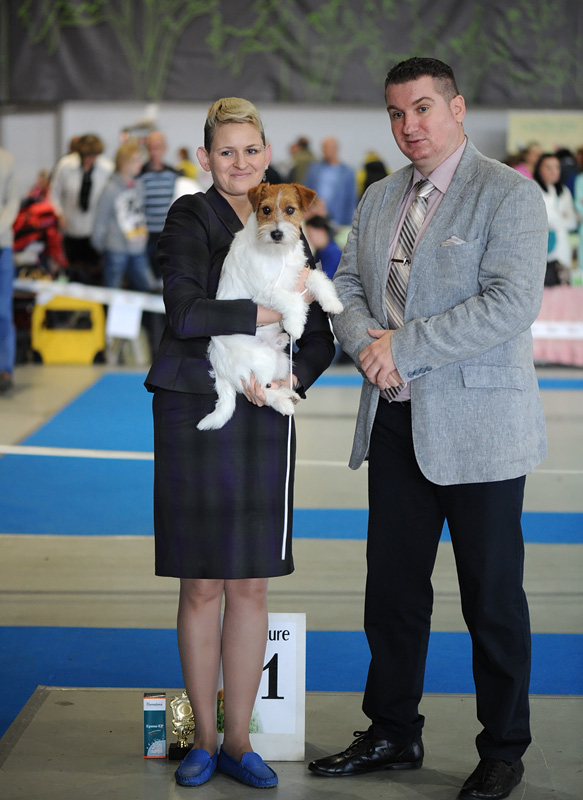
column 176, row 752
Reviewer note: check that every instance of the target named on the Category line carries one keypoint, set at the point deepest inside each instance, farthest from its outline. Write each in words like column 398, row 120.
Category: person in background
column 120, row 231
column 321, row 239
column 38, row 241
column 272, row 175
column 8, row 212
column 302, row 159
column 334, row 182
column 41, row 187
column 441, row 279
column 159, row 181
column 528, row 158
column 186, row 166
column 578, row 201
column 223, row 498
column 77, row 182
column 561, row 217
column 372, row 170
column 569, row 168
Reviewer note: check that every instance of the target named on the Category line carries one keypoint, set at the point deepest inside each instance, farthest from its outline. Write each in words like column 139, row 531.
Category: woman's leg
column 243, row 646
column 199, row 644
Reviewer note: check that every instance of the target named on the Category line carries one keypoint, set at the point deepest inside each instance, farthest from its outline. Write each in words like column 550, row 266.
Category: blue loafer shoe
column 251, row 770
column 196, row 768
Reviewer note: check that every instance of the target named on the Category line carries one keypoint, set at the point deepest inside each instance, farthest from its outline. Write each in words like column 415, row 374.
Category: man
column 8, row 211
column 456, row 441
column 334, row 182
column 159, row 181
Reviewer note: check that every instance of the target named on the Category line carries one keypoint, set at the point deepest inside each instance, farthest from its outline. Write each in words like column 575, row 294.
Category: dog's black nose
column 277, row 235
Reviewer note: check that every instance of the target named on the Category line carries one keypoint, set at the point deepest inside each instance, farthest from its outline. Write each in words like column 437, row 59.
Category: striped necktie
column 398, row 280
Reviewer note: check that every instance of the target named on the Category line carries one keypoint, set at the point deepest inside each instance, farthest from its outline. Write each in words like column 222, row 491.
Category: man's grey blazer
column 466, row 346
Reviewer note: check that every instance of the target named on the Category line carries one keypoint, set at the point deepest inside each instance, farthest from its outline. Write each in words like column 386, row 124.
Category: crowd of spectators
column 560, row 176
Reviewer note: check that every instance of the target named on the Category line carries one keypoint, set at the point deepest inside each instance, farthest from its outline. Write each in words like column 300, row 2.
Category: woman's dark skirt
column 220, row 496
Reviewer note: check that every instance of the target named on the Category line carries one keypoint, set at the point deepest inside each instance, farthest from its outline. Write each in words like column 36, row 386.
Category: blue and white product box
column 154, row 725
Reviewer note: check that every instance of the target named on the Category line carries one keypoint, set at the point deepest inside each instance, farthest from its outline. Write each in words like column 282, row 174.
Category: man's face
column 330, row 150
column 156, row 145
column 427, row 128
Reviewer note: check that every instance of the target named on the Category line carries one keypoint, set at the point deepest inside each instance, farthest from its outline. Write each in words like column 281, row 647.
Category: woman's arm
column 192, row 250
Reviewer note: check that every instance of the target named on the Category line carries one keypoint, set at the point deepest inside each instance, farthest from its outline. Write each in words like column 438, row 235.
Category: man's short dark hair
column 414, row 68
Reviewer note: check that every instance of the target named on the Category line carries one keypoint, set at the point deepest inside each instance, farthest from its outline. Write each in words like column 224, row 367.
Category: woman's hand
column 254, row 391
column 265, row 316
column 301, row 286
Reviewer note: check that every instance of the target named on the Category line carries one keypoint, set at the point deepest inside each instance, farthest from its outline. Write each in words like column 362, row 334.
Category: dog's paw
column 333, row 306
column 294, row 324
column 282, row 400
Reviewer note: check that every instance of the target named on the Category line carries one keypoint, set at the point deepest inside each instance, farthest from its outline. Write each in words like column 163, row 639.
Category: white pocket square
column 453, row 240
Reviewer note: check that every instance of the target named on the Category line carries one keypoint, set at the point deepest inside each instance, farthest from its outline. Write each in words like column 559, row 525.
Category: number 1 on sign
column 272, row 669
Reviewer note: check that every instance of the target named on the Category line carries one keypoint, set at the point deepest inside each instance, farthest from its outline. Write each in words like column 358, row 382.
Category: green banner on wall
column 505, row 53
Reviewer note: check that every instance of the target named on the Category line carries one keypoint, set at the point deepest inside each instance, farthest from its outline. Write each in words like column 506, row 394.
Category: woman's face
column 131, row 168
column 532, row 155
column 237, row 159
column 550, row 170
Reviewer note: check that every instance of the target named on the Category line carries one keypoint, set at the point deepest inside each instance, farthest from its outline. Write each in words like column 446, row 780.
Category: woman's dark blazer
column 197, row 235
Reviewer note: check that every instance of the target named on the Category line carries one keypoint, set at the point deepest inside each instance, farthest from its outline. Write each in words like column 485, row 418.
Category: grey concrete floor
column 84, row 743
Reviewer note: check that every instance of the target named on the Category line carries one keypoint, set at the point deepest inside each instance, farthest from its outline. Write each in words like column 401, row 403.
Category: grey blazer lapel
column 440, row 227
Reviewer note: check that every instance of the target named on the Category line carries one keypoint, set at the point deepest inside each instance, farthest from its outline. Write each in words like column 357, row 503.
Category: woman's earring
column 264, row 176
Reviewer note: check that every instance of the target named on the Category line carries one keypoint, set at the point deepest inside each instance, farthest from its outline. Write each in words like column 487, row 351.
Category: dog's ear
column 306, row 196
column 256, row 193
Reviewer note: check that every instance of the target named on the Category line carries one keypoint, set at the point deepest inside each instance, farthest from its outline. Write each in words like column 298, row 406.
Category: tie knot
column 424, row 188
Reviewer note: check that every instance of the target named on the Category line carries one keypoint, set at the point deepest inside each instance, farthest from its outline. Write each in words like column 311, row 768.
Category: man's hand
column 377, row 360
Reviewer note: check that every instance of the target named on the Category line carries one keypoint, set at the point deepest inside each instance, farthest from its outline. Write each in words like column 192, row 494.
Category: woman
column 77, row 183
column 561, row 215
column 578, row 199
column 120, row 231
column 222, row 499
column 528, row 158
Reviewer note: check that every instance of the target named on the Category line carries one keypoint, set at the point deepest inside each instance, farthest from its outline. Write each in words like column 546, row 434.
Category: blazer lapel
column 224, row 211
column 441, row 225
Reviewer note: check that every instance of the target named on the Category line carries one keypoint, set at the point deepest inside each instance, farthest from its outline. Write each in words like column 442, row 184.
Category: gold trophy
column 182, row 726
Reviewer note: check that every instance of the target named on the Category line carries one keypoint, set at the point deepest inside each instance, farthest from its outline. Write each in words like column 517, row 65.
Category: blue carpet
column 75, row 496
column 351, row 523
column 115, row 413
column 336, row 661
column 96, row 497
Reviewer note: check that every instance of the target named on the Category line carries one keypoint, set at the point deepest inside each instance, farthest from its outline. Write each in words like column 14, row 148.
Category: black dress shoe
column 368, row 754
column 493, row 779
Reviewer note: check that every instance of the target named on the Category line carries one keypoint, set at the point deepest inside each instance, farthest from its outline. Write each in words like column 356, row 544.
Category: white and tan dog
column 264, row 264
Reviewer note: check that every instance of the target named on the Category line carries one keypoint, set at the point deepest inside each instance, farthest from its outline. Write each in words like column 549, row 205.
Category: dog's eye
column 266, row 210
column 290, row 210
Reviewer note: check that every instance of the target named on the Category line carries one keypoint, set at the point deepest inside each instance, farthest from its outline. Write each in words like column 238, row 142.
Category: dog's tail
column 224, row 408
